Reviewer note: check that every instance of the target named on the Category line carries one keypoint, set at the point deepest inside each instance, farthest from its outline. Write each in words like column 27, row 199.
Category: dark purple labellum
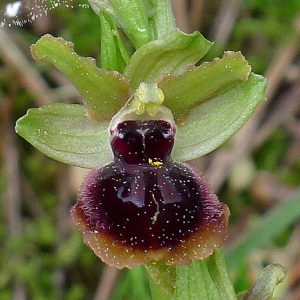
column 144, row 206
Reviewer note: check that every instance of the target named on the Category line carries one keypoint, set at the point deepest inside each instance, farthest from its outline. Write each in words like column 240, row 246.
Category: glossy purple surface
column 135, row 142
column 151, row 209
column 142, row 204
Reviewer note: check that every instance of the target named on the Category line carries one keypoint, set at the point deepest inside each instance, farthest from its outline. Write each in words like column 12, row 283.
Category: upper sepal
column 171, row 54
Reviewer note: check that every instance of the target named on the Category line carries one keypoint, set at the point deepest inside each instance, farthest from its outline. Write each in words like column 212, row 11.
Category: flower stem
column 218, row 271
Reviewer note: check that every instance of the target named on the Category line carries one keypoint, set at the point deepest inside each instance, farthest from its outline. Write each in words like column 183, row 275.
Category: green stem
column 218, row 271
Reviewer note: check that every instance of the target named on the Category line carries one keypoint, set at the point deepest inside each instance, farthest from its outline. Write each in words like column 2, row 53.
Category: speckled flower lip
column 144, row 206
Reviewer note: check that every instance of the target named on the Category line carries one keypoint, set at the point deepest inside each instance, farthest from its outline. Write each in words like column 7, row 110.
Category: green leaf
column 267, row 227
column 205, row 82
column 194, row 282
column 64, row 133
column 213, row 122
column 104, row 92
column 206, row 279
column 171, row 54
column 264, row 285
column 113, row 53
column 131, row 15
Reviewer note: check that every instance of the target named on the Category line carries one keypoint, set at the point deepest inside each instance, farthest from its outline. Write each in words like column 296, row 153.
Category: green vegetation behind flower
column 210, row 103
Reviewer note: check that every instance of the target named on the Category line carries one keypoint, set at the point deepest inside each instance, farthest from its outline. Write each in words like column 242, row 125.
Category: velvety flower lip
column 144, row 207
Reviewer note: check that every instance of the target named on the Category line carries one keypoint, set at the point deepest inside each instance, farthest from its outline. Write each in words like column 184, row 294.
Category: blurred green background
column 257, row 172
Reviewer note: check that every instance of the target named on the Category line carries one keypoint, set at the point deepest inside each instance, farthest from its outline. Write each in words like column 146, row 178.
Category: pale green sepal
column 171, row 54
column 213, row 122
column 64, row 133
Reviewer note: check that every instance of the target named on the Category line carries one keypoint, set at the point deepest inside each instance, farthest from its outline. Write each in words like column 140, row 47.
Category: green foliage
column 266, row 229
column 268, row 25
column 271, row 154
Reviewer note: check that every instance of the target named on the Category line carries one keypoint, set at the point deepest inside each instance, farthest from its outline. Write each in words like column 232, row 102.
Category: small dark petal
column 145, row 207
column 135, row 142
column 159, row 140
column 128, row 144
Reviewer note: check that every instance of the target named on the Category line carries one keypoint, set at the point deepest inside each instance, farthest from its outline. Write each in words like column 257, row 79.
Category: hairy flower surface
column 143, row 206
